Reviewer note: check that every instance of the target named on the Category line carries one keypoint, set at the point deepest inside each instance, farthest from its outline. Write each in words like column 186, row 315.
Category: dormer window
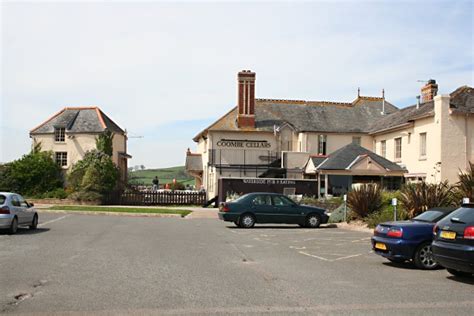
column 59, row 134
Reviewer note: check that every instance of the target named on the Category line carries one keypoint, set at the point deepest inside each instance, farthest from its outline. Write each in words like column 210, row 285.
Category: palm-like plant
column 466, row 182
column 417, row 198
column 365, row 199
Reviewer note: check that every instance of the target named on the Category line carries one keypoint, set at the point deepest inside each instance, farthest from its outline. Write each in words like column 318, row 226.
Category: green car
column 271, row 208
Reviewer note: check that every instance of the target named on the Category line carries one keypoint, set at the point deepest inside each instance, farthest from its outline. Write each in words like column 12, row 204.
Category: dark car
column 453, row 244
column 270, row 208
column 409, row 240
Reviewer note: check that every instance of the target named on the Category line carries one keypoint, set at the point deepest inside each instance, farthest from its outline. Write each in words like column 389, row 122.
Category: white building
column 429, row 141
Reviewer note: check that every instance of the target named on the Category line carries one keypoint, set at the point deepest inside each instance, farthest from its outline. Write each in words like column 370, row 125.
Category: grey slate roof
column 78, row 120
column 462, row 101
column 321, row 116
column 317, row 160
column 310, row 116
column 343, row 157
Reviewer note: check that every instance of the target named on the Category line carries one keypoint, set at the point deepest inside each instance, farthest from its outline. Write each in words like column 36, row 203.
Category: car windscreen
column 463, row 214
column 429, row 216
column 240, row 198
column 3, row 198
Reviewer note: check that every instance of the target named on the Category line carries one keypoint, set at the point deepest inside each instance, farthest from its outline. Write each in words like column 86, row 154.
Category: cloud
column 152, row 64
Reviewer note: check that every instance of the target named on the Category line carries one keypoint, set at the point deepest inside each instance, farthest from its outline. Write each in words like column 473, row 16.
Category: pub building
column 320, row 148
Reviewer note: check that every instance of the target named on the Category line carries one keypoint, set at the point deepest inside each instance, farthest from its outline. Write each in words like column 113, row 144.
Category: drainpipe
column 466, row 141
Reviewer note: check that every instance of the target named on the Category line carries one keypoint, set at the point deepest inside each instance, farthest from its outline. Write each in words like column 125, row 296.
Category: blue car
column 409, row 240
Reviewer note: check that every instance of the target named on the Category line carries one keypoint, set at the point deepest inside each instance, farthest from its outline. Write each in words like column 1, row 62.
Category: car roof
column 7, row 193
column 267, row 193
column 444, row 209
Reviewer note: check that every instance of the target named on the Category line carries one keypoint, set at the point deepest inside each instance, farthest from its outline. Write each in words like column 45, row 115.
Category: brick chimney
column 246, row 99
column 429, row 91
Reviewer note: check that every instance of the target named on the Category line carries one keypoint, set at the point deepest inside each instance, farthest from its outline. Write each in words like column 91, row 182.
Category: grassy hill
column 165, row 175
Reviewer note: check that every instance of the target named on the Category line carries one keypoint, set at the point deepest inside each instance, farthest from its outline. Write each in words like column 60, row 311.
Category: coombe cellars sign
column 238, row 143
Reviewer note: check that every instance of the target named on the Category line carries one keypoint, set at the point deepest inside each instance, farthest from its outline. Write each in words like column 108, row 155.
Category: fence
column 156, row 198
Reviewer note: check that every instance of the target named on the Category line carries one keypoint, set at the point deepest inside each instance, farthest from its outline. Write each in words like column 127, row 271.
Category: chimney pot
column 429, row 91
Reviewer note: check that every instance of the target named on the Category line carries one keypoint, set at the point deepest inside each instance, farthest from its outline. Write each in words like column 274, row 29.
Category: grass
column 165, row 175
column 87, row 208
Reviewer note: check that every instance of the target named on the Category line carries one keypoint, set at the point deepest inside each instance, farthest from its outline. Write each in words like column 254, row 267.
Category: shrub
column 32, row 174
column 385, row 215
column 328, row 204
column 87, row 196
column 466, row 182
column 365, row 200
column 95, row 172
column 417, row 198
column 59, row 193
column 176, row 186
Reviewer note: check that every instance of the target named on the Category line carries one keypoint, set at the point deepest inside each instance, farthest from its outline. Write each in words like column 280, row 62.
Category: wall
column 76, row 145
column 335, row 141
column 456, row 140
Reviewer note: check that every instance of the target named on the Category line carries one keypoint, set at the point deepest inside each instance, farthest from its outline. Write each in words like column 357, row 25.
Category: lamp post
column 345, row 208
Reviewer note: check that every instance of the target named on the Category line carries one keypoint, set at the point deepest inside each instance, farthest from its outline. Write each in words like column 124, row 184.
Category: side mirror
column 31, row 204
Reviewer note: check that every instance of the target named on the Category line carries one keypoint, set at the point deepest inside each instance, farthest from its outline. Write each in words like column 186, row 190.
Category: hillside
column 165, row 175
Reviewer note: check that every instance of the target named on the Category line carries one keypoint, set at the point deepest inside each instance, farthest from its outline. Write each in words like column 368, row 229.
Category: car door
column 286, row 209
column 262, row 208
column 26, row 210
column 16, row 208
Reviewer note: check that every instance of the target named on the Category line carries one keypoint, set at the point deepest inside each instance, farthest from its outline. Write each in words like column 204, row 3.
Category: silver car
column 15, row 211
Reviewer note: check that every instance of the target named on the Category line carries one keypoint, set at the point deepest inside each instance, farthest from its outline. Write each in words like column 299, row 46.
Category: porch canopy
column 352, row 164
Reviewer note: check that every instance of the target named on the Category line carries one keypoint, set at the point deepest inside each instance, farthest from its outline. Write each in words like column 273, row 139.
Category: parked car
column 402, row 241
column 15, row 211
column 453, row 244
column 275, row 208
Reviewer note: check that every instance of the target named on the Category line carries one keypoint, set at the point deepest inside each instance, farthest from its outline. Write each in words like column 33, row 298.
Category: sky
column 166, row 70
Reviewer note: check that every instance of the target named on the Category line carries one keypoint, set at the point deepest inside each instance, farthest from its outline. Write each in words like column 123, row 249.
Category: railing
column 155, row 198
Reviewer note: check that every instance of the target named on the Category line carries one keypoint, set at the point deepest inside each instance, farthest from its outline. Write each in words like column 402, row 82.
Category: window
column 322, row 144
column 61, row 158
column 289, row 191
column 398, row 148
column 356, row 140
column 59, row 134
column 422, row 144
column 282, row 201
column 383, row 148
column 262, row 200
column 15, row 201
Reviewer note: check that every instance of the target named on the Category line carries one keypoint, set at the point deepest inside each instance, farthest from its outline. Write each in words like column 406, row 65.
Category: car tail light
column 395, row 232
column 435, row 229
column 4, row 210
column 469, row 232
column 225, row 208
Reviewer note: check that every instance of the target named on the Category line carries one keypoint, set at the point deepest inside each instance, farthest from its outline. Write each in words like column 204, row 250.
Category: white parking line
column 53, row 220
column 347, row 257
column 314, row 256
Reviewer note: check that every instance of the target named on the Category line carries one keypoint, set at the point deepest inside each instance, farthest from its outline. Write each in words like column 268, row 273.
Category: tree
column 142, row 167
column 34, row 173
column 94, row 173
column 104, row 142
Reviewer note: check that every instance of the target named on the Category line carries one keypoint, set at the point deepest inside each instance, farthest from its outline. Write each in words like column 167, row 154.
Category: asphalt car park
column 138, row 265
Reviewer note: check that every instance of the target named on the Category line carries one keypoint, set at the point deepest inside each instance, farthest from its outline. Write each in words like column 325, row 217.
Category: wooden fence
column 156, row 198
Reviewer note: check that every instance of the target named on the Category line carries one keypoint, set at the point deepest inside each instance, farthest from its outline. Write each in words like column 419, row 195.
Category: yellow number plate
column 380, row 246
column 447, row 235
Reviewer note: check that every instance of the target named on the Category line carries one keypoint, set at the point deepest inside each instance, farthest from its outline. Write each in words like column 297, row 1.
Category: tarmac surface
column 116, row 265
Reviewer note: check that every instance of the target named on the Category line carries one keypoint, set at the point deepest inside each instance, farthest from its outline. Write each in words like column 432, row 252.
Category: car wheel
column 237, row 223
column 247, row 221
column 313, row 221
column 14, row 226
column 34, row 223
column 459, row 273
column 424, row 257
column 396, row 260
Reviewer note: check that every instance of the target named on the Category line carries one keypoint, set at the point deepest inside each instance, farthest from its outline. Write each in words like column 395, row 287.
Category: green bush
column 32, row 174
column 385, row 215
column 59, row 193
column 365, row 199
column 86, row 196
column 176, row 186
column 328, row 204
column 94, row 173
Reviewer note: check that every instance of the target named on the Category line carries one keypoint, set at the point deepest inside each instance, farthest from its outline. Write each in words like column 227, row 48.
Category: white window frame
column 383, row 148
column 61, row 158
column 423, row 145
column 59, row 134
column 398, row 149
